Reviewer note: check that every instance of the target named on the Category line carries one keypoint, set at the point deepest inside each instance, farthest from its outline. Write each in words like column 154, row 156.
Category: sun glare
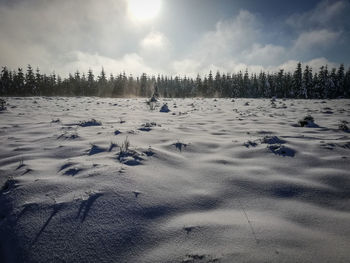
column 144, row 9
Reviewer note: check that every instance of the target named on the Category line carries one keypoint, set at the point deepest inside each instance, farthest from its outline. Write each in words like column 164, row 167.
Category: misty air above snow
column 173, row 37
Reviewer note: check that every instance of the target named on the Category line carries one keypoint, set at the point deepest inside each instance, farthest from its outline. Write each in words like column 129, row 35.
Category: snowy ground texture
column 209, row 181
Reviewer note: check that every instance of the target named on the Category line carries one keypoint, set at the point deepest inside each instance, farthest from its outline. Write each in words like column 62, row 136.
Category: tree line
column 302, row 84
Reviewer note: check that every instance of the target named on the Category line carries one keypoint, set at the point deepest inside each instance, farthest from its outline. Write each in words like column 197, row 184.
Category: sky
column 173, row 37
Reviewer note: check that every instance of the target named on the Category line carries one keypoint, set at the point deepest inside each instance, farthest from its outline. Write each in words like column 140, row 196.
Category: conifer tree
column 347, row 84
column 340, row 81
column 19, row 82
column 306, row 85
column 30, row 84
column 297, row 82
column 6, row 81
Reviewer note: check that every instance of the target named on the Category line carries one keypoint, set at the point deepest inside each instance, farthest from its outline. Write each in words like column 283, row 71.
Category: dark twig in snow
column 249, row 222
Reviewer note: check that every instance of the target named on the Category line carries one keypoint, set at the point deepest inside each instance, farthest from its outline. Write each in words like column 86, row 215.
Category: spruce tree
column 340, row 81
column 306, row 86
column 19, row 81
column 30, row 85
column 91, row 87
column 297, row 82
column 6, row 82
column 347, row 84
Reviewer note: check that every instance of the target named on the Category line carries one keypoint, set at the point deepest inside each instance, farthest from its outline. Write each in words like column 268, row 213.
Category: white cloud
column 325, row 14
column 319, row 30
column 326, row 11
column 316, row 39
column 315, row 64
column 156, row 50
column 155, row 40
column 264, row 54
column 230, row 37
column 237, row 45
column 233, row 46
column 130, row 63
column 187, row 67
column 42, row 32
column 66, row 36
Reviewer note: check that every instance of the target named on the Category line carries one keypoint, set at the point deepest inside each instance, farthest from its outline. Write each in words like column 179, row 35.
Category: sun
column 144, row 9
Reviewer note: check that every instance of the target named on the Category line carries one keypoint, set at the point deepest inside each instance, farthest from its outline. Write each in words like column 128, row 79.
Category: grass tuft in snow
column 307, row 121
column 21, row 164
column 55, row 120
column 152, row 103
column 124, row 148
column 10, row 183
column 128, row 156
column 2, row 105
column 89, row 123
column 343, row 126
column 117, row 132
column 112, row 145
column 250, row 143
column 179, row 145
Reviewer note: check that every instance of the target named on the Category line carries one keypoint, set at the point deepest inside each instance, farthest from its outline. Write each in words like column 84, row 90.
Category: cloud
column 155, row 40
column 230, row 37
column 130, row 63
column 316, row 39
column 315, row 64
column 156, row 49
column 325, row 14
column 264, row 54
column 216, row 49
column 66, row 36
column 38, row 31
column 188, row 67
column 78, row 23
column 235, row 45
column 321, row 30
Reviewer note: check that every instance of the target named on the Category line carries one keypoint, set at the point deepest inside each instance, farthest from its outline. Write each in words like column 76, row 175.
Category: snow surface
column 213, row 180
